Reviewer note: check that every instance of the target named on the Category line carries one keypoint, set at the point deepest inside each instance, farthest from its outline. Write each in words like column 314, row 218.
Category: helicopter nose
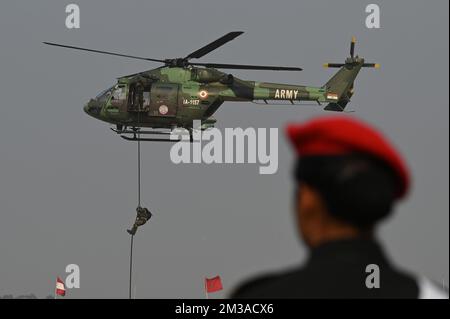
column 92, row 108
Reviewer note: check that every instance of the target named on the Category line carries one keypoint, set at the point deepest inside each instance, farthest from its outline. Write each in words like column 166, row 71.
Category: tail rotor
column 352, row 60
column 340, row 88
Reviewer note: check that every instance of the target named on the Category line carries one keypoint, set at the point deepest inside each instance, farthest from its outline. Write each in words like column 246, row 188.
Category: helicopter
column 174, row 95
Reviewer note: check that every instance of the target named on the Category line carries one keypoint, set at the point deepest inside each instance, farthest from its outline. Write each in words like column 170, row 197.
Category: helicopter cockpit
column 122, row 97
column 103, row 96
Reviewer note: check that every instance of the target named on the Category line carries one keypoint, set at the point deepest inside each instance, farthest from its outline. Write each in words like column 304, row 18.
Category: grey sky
column 68, row 184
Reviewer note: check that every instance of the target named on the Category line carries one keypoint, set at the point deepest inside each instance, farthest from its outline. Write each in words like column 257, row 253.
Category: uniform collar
column 348, row 251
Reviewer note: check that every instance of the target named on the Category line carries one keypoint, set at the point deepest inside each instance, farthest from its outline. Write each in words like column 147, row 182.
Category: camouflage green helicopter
column 174, row 95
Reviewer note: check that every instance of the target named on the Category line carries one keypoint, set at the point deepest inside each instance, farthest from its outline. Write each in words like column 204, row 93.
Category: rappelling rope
column 138, row 198
column 139, row 163
column 131, row 266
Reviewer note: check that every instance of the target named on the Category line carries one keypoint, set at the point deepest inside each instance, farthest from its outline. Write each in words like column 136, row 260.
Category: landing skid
column 134, row 135
column 147, row 139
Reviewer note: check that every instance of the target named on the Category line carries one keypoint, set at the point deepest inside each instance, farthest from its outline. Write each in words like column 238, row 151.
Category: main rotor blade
column 103, row 52
column 213, row 45
column 247, row 67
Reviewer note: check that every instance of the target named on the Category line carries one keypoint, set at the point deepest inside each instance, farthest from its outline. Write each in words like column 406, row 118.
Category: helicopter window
column 103, row 96
column 165, row 90
column 119, row 93
column 146, row 98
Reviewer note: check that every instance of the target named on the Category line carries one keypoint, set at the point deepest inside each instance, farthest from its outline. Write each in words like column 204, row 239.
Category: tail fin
column 340, row 87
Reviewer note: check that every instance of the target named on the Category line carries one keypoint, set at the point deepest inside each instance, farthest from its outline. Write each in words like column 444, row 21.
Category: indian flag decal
column 332, row 96
column 60, row 288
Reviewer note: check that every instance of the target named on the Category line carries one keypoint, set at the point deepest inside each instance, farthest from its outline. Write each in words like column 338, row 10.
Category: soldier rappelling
column 143, row 215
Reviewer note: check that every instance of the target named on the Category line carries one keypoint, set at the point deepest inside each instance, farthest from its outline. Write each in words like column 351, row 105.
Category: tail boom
column 287, row 92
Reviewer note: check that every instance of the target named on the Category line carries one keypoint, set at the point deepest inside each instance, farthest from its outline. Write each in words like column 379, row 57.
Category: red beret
column 344, row 135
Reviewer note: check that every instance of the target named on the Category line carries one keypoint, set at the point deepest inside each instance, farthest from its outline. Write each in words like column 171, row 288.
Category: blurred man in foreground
column 348, row 179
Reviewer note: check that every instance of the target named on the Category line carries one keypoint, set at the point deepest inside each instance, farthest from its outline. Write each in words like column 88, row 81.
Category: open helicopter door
column 139, row 97
column 164, row 99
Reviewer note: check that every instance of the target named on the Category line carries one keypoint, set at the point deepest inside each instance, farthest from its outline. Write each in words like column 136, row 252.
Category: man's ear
column 308, row 199
column 305, row 212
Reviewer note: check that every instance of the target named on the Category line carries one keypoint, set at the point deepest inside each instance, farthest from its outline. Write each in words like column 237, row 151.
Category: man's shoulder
column 318, row 282
column 253, row 284
column 270, row 285
column 430, row 290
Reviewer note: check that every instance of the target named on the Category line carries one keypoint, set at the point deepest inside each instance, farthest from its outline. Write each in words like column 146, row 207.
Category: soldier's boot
column 133, row 230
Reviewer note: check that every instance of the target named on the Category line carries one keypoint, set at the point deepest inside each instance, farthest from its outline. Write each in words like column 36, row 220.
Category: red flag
column 60, row 288
column 213, row 284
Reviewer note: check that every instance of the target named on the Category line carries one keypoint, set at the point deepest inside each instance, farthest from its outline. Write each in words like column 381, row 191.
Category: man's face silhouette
column 314, row 222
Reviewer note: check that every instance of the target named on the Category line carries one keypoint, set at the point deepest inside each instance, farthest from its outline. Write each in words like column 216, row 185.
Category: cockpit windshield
column 104, row 95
